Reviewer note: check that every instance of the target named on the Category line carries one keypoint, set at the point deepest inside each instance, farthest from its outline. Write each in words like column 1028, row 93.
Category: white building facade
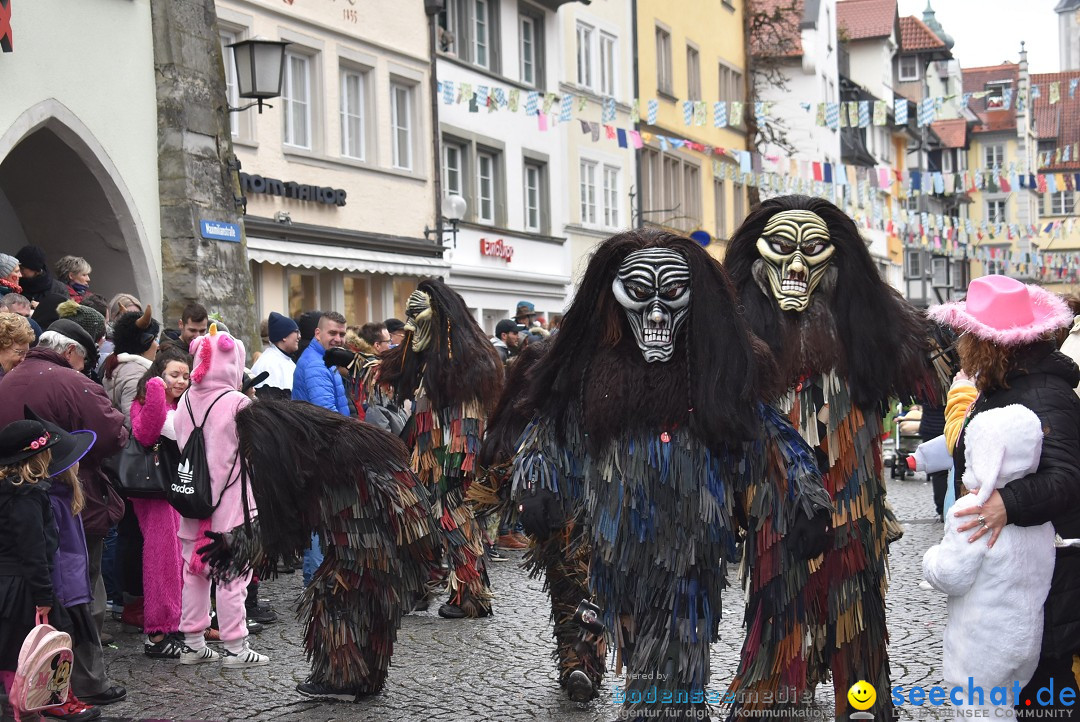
column 511, row 170
column 338, row 175
column 78, row 150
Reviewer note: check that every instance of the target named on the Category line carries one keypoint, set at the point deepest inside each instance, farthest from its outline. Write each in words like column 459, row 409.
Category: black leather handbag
column 146, row 472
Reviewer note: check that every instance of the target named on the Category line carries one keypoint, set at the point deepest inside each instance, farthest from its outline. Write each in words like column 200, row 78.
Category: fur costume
column 648, row 436
column 311, row 469
column 218, row 372
column 845, row 342
column 996, row 595
column 448, row 369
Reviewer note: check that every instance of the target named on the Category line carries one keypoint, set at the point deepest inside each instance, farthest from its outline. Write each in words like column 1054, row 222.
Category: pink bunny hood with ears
column 1001, row 445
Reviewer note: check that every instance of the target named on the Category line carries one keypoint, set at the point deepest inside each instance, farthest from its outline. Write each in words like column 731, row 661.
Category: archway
column 59, row 191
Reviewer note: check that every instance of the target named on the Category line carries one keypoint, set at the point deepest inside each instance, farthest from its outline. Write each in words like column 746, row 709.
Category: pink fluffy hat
column 1005, row 311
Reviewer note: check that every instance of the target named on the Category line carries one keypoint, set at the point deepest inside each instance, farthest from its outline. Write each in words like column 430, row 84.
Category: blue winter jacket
column 315, row 383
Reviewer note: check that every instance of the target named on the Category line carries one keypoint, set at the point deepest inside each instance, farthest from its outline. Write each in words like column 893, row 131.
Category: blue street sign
column 219, row 231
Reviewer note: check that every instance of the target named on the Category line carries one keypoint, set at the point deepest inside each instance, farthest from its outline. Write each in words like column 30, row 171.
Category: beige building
column 338, row 175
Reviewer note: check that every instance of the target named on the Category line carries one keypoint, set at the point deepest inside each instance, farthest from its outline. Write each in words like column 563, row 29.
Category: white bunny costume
column 996, row 596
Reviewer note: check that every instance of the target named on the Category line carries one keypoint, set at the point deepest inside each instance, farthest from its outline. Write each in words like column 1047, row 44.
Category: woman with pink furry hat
column 1007, row 345
column 152, row 412
column 212, row 402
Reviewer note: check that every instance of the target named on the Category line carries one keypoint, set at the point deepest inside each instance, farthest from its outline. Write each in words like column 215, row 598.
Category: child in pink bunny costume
column 214, row 395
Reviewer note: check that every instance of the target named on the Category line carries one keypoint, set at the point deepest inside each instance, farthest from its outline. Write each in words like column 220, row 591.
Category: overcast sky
column 988, row 32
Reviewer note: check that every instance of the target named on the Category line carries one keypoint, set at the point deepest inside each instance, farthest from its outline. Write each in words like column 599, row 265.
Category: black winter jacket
column 1045, row 384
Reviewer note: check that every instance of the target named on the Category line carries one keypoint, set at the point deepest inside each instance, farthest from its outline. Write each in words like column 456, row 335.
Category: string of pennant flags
column 843, row 114
column 861, row 189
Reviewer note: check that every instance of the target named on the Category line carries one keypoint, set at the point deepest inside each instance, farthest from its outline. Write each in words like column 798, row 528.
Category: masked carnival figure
column 448, row 370
column 313, row 470
column 647, row 454
column 844, row 342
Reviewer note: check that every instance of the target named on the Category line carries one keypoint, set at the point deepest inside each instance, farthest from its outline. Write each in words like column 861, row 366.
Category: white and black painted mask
column 653, row 285
column 796, row 250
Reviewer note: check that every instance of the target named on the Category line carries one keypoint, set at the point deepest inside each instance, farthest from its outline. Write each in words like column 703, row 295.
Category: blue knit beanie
column 278, row 326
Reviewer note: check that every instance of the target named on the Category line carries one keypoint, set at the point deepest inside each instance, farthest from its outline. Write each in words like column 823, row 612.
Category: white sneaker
column 246, row 658
column 198, row 656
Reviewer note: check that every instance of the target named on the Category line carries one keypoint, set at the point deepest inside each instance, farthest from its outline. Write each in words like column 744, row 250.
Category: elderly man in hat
column 72, row 401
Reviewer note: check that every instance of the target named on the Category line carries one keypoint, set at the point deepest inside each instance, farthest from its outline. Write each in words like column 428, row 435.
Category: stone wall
column 195, row 180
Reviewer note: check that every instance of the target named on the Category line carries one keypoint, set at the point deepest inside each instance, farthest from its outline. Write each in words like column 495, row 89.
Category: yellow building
column 692, row 50
column 1002, row 153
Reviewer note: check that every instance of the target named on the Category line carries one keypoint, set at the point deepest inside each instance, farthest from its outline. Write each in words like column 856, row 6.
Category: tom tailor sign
column 291, row 189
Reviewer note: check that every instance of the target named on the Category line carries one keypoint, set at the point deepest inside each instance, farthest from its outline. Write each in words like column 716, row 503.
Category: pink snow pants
column 195, row 614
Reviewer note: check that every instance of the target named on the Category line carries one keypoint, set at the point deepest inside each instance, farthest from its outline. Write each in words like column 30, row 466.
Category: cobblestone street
column 497, row 668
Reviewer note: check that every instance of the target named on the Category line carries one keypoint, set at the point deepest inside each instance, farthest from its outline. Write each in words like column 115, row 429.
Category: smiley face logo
column 862, row 696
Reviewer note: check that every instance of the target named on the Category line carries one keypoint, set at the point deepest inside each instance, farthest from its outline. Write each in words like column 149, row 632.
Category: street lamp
column 260, row 66
column 453, row 210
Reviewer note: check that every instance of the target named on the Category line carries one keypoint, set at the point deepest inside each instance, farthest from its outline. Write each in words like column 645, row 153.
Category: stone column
column 194, row 178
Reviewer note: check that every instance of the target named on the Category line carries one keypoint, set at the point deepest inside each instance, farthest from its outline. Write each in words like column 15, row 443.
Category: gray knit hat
column 7, row 264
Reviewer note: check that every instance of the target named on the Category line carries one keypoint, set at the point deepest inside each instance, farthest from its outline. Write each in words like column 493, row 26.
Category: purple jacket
column 46, row 383
column 71, row 567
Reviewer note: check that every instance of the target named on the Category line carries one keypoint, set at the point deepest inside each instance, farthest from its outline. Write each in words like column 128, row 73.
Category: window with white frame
column 995, row 93
column 401, row 125
column 913, row 264
column 611, row 196
column 353, row 112
column 664, row 82
column 486, row 170
column 584, row 55
column 454, row 169
column 468, row 29
column 232, row 90
column 939, row 272
column 993, row 156
column 995, row 211
column 534, row 196
column 296, row 100
column 482, row 33
column 1062, row 203
column 909, row 67
column 587, row 181
column 693, row 73
column 530, row 51
column 608, row 58
column 947, row 163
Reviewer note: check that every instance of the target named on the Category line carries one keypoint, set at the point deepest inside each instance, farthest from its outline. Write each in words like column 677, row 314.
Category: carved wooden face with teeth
column 653, row 286
column 795, row 250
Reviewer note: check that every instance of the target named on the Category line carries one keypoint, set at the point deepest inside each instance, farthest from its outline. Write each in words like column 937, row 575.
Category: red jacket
column 47, row 384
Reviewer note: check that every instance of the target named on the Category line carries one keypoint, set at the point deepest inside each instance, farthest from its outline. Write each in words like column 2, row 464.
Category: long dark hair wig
column 286, row 449
column 513, row 412
column 595, row 368
column 461, row 364
column 879, row 341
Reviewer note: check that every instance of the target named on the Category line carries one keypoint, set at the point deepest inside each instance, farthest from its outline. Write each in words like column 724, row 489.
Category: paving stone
column 498, row 668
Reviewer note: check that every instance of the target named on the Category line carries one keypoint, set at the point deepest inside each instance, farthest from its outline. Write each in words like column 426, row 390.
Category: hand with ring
column 990, row 518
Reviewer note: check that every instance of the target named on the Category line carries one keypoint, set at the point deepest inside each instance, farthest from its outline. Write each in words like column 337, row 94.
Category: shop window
column 358, row 305
column 403, row 287
column 303, row 293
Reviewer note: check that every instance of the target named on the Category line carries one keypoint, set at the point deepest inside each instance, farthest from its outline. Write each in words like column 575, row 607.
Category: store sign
column 498, row 249
column 219, row 231
column 290, row 189
column 5, row 26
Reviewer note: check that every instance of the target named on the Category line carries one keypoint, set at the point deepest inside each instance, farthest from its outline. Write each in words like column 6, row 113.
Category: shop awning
column 339, row 258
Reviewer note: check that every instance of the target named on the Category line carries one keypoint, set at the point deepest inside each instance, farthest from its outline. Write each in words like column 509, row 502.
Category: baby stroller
column 905, row 440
